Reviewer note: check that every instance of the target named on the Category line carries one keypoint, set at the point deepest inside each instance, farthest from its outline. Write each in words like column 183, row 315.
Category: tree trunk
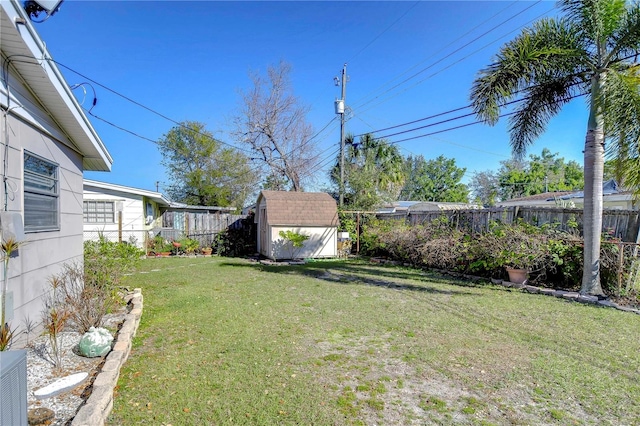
column 592, row 217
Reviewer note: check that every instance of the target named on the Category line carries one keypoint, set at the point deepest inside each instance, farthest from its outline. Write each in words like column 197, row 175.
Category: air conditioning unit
column 13, row 388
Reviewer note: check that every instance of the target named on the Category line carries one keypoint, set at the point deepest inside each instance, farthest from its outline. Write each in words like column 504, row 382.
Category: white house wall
column 322, row 243
column 133, row 218
column 45, row 252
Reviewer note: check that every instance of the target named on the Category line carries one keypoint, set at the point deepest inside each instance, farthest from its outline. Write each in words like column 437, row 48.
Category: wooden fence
column 623, row 224
column 201, row 226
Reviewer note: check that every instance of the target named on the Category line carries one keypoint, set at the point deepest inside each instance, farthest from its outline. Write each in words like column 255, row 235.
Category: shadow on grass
column 360, row 272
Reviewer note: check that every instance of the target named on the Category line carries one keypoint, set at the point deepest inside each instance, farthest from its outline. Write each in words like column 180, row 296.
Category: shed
column 309, row 213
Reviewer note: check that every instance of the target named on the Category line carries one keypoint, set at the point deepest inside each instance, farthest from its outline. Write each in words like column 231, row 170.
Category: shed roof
column 299, row 208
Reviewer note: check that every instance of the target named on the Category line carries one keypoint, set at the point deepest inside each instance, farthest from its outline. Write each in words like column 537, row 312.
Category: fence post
column 120, row 226
column 620, row 266
column 358, row 233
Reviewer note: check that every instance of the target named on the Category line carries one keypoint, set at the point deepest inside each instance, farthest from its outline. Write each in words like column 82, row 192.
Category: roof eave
column 58, row 99
column 154, row 196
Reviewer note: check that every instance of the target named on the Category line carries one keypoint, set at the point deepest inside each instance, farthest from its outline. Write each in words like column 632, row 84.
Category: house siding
column 44, row 118
column 134, row 218
column 44, row 253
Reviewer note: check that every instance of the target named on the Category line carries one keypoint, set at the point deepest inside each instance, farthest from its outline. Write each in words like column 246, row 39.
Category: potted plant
column 523, row 249
column 189, row 245
column 158, row 246
column 519, row 248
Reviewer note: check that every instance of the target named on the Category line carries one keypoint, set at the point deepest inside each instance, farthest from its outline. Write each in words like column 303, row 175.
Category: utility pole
column 340, row 109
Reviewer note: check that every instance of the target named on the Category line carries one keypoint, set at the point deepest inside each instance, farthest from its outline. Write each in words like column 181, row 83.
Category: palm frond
column 621, row 100
column 542, row 103
column 625, row 40
column 598, row 19
column 549, row 46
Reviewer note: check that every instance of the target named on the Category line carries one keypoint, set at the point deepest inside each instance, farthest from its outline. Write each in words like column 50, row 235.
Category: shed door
column 263, row 240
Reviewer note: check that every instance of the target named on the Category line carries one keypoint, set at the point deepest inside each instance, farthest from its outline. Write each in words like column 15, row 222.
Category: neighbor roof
column 155, row 196
column 299, row 208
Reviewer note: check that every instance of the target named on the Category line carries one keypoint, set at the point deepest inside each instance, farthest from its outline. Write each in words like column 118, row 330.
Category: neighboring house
column 429, row 206
column 46, row 143
column 424, row 206
column 613, row 198
column 124, row 213
column 121, row 213
column 310, row 213
column 545, row 199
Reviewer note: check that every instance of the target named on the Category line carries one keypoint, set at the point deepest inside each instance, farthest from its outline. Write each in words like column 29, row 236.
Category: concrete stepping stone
column 61, row 385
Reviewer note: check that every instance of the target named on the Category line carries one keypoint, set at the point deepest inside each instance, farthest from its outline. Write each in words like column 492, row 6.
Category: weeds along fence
column 621, row 228
column 624, row 262
column 622, row 224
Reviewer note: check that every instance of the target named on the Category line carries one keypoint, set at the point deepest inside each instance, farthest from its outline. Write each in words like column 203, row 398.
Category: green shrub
column 105, row 262
column 189, row 245
column 294, row 240
column 237, row 241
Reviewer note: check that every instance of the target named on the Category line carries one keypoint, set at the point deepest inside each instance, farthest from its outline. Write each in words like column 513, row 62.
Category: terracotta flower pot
column 518, row 276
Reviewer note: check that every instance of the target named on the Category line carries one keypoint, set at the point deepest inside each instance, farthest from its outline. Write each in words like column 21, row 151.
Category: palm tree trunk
column 592, row 216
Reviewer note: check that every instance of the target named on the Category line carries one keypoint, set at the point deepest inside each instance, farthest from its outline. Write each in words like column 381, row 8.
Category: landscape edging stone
column 561, row 294
column 100, row 403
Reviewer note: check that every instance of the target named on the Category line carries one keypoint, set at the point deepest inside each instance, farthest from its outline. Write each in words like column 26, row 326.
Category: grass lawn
column 228, row 341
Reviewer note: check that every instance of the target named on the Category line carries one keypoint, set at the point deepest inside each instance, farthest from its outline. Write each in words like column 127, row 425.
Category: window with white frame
column 99, row 211
column 41, row 194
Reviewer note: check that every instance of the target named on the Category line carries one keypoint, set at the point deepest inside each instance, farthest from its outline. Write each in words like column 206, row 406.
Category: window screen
column 41, row 194
column 98, row 212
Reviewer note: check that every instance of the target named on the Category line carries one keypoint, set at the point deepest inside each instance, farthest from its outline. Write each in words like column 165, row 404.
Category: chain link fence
column 135, row 237
column 623, row 260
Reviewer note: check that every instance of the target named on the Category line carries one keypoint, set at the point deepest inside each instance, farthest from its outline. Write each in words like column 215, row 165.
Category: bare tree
column 272, row 121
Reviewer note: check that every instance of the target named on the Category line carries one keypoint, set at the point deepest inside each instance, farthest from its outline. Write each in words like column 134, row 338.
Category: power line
column 301, row 146
column 463, row 125
column 445, row 68
column 141, row 106
column 451, row 53
column 384, row 31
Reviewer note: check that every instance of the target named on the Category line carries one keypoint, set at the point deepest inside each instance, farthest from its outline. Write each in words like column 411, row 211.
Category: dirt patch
column 373, row 385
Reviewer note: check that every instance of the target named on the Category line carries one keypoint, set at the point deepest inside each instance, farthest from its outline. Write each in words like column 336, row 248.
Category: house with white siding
column 46, row 143
column 121, row 213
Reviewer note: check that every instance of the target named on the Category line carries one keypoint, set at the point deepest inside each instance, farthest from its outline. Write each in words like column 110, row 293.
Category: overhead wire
column 135, row 134
column 458, row 127
column 384, row 31
column 449, row 54
column 441, row 69
column 438, row 51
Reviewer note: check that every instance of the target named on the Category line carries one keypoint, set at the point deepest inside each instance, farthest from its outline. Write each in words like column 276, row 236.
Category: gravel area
column 41, row 372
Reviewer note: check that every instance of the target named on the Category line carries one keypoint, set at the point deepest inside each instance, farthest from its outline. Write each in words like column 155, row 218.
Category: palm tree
column 373, row 172
column 590, row 50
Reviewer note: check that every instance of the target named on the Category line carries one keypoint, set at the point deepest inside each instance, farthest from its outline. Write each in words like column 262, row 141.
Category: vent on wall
column 13, row 388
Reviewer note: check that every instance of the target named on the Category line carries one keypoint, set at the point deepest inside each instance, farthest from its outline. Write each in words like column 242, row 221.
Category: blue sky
column 406, row 60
